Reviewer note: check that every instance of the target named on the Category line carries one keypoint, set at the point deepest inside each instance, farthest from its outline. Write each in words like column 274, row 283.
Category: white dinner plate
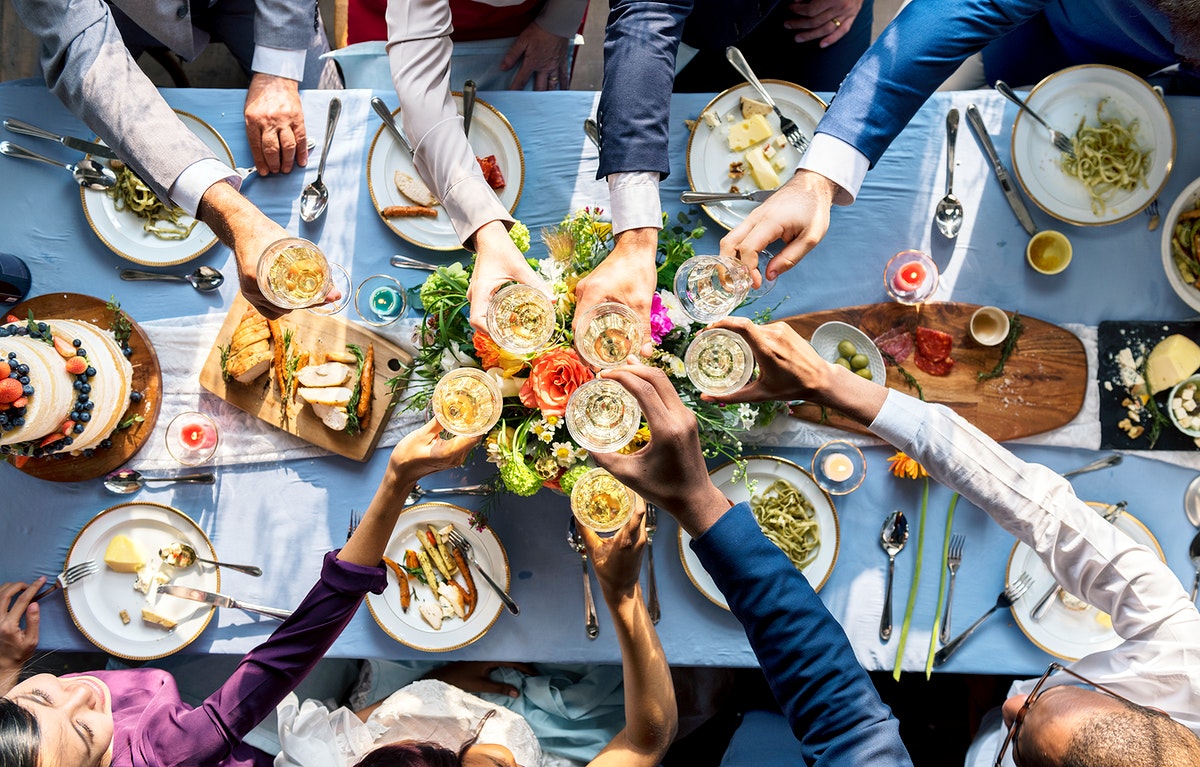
column 826, row 338
column 1063, row 632
column 1062, row 99
column 95, row 602
column 491, row 134
column 409, row 628
column 709, row 155
column 762, row 470
column 1185, row 201
column 122, row 231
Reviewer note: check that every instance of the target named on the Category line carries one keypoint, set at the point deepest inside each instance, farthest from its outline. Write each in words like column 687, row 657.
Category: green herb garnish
column 1015, row 328
column 907, row 376
column 352, row 424
column 121, row 328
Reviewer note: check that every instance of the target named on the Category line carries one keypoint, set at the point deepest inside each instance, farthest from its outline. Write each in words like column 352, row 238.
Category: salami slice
column 896, row 343
column 491, row 171
column 934, row 367
column 934, row 345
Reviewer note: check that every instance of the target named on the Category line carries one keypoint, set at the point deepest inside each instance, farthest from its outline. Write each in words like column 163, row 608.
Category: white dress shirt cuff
column 279, row 62
column 839, row 162
column 195, row 181
column 634, row 200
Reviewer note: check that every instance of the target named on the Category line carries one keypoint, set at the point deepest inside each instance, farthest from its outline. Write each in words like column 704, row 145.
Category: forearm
column 285, row 24
column 367, row 546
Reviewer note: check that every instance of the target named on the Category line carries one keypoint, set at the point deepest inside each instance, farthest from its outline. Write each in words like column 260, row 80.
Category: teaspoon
column 87, row 172
column 187, row 556
column 892, row 538
column 127, row 481
column 949, row 215
column 204, row 278
column 315, row 197
column 1191, row 502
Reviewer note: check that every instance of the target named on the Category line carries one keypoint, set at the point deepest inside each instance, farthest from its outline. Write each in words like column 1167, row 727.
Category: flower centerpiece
column 531, row 444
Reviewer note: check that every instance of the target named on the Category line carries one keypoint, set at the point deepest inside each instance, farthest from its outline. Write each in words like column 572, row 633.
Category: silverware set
column 87, row 172
column 575, row 540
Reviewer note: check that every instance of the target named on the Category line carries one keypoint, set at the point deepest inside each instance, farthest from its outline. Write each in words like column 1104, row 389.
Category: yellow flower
column 640, row 439
column 903, row 466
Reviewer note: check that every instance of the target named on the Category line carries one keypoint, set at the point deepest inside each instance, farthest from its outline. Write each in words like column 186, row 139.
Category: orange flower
column 554, row 375
column 903, row 466
column 492, row 356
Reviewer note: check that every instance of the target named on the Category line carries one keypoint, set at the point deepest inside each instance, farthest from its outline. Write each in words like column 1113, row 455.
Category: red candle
column 198, row 435
column 909, row 277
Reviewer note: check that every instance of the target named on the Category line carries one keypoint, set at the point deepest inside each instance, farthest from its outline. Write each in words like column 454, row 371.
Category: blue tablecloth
column 282, row 516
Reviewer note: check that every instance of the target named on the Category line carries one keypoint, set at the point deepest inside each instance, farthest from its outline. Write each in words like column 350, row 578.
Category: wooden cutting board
column 313, row 333
column 1042, row 386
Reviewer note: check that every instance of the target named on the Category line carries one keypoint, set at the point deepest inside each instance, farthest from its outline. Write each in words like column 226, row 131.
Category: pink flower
column 660, row 323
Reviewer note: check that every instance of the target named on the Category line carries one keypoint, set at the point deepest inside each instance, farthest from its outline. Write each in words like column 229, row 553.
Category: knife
column 385, row 114
column 78, row 144
column 220, row 600
column 703, row 197
column 1010, row 192
column 468, row 97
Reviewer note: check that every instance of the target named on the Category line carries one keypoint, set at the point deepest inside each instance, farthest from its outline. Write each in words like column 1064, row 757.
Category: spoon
column 315, row 197
column 892, row 537
column 468, row 105
column 87, row 172
column 204, row 278
column 187, row 557
column 385, row 114
column 1191, row 502
column 592, row 129
column 1106, row 462
column 1194, row 553
column 127, row 481
column 404, row 262
column 949, row 215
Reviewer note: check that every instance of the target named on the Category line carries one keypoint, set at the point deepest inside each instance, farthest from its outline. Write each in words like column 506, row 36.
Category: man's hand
column 626, row 276
column 824, row 20
column 798, row 214
column 275, row 124
column 497, row 263
column 17, row 644
column 618, row 558
column 543, row 56
column 423, row 451
column 476, row 676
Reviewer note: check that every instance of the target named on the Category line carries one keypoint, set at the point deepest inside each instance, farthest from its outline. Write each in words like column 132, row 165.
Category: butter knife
column 468, row 97
column 700, row 198
column 220, row 600
column 1010, row 192
column 385, row 114
column 78, row 144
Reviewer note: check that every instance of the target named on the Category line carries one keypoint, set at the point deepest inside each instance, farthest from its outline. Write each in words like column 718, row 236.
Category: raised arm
column 16, row 643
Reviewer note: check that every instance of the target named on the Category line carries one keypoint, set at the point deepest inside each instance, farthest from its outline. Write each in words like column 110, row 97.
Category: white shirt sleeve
column 195, row 181
column 839, row 162
column 633, row 196
column 279, row 62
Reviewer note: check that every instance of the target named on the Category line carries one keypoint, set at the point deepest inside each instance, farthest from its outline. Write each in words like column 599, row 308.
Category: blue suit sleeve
column 640, row 43
column 825, row 694
column 922, row 46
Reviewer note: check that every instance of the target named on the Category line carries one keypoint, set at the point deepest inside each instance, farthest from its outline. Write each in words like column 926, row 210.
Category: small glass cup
column 599, row 501
column 521, row 319
column 467, row 402
column 339, row 278
column 602, row 416
column 910, row 277
column 839, row 467
column 379, row 300
column 293, row 273
column 718, row 361
column 611, row 333
column 192, row 438
column 711, row 287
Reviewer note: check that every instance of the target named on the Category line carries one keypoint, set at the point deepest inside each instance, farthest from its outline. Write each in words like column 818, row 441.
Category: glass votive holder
column 379, row 300
column 192, row 438
column 718, row 361
column 602, row 416
column 521, row 319
column 611, row 332
column 338, row 278
column 839, row 467
column 599, row 501
column 910, row 277
column 293, row 273
column 467, row 402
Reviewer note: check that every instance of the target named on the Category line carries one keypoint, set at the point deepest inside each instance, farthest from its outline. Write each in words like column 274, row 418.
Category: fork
column 651, row 522
column 575, row 540
column 459, row 541
column 790, row 130
column 1011, row 594
column 1060, row 140
column 354, row 520
column 953, row 560
column 67, row 577
column 1152, row 212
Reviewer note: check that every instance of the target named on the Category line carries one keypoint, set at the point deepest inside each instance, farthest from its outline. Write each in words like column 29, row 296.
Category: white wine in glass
column 293, row 273
column 601, row 502
column 711, row 287
column 611, row 332
column 467, row 402
column 718, row 361
column 520, row 319
column 602, row 416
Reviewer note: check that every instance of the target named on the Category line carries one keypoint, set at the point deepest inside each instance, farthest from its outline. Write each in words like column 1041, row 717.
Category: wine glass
column 602, row 416
column 379, row 300
column 467, row 402
column 339, row 278
column 718, row 361
column 910, row 277
column 192, row 438
column 601, row 502
column 711, row 287
column 611, row 333
column 292, row 273
column 839, row 467
column 521, row 319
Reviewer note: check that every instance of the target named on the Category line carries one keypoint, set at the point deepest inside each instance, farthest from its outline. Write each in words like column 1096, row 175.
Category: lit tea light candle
column 386, row 302
column 837, row 467
column 909, row 277
column 198, row 435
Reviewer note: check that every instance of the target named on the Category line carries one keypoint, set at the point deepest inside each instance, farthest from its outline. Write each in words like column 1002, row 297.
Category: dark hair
column 19, row 735
column 1135, row 737
column 406, row 753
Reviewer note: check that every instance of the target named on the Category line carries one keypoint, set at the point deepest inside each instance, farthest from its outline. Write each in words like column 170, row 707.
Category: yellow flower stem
column 941, row 600
column 916, row 581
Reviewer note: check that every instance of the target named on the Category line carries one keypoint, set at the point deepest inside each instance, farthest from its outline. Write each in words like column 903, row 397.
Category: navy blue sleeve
column 825, row 694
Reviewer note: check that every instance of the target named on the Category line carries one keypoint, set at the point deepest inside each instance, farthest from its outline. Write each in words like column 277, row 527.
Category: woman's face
column 75, row 718
column 489, row 755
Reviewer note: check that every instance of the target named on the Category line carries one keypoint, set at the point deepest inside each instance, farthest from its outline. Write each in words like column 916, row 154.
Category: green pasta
column 131, row 193
column 1107, row 159
column 789, row 521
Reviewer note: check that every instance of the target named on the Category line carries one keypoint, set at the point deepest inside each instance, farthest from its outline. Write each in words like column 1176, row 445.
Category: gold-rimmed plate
column 1063, row 631
column 1062, row 100
column 761, row 471
column 491, row 134
column 709, row 155
column 123, row 232
column 95, row 603
column 408, row 627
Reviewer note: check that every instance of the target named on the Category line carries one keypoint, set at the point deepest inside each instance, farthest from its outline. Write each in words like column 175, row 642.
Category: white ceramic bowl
column 1192, row 382
column 826, row 338
column 1185, row 201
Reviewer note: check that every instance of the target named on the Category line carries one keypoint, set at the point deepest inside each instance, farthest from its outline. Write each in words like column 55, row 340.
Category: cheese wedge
column 751, row 107
column 748, row 132
column 149, row 616
column 123, row 555
column 1174, row 359
column 761, row 171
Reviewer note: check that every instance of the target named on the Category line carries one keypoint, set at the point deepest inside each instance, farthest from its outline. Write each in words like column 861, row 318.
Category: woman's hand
column 618, row 558
column 423, row 451
column 17, row 644
column 824, row 20
column 476, row 676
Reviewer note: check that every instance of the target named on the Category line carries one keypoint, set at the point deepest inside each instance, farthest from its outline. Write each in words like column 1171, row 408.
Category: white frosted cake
column 64, row 386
